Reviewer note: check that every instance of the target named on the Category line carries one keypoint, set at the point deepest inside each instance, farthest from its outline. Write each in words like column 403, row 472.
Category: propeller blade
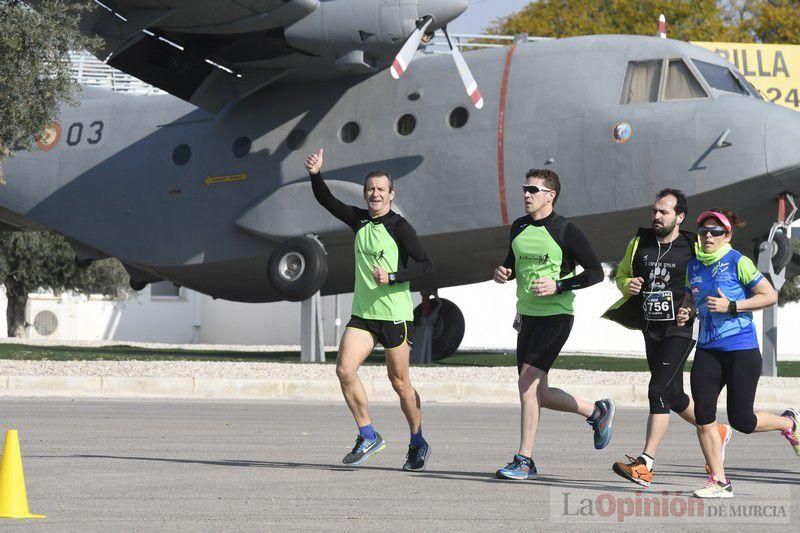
column 406, row 54
column 466, row 75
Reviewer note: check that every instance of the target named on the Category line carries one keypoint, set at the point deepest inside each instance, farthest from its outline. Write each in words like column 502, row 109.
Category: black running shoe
column 364, row 449
column 417, row 457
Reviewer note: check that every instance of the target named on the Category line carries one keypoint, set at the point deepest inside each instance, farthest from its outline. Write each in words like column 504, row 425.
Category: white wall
column 192, row 318
column 142, row 318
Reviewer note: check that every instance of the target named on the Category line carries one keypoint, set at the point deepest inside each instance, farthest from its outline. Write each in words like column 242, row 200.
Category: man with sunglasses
column 651, row 278
column 544, row 250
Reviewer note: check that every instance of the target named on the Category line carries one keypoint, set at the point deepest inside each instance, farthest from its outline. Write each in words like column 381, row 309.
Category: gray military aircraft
column 206, row 188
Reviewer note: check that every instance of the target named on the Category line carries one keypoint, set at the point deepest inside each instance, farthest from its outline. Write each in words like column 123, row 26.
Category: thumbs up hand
column 314, row 161
column 718, row 305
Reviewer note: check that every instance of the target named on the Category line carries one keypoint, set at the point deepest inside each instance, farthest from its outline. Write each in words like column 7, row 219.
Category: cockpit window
column 755, row 92
column 720, row 77
column 681, row 83
column 641, row 82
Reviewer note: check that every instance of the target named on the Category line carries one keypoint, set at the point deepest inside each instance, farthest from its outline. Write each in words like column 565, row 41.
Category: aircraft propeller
column 406, row 55
column 466, row 75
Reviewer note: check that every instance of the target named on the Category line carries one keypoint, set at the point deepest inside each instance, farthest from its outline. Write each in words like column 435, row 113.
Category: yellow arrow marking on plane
column 210, row 180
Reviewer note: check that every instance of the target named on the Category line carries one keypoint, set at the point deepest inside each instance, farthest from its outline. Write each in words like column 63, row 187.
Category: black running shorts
column 389, row 334
column 541, row 338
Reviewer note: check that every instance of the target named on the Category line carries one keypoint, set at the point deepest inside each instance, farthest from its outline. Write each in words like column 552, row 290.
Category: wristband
column 732, row 308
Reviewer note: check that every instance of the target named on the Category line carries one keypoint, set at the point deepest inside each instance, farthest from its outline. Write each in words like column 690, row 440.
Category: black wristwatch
column 559, row 287
column 732, row 308
column 392, row 278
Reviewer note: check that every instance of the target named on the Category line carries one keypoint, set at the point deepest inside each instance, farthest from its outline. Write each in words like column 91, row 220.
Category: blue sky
column 481, row 13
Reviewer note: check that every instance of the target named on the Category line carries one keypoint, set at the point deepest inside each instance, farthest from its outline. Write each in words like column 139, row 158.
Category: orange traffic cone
column 13, row 496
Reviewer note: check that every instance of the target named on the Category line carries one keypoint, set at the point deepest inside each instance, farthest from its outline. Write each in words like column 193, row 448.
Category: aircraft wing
column 211, row 52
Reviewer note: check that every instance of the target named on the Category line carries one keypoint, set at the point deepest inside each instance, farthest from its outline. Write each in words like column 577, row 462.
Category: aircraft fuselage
column 176, row 192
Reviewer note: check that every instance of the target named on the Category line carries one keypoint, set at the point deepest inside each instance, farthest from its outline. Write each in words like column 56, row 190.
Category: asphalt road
column 100, row 465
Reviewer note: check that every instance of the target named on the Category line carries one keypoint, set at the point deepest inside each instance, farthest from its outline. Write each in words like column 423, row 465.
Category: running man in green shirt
column 382, row 309
column 544, row 250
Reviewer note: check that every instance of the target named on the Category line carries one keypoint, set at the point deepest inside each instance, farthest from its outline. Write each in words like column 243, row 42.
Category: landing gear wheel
column 297, row 268
column 138, row 285
column 448, row 330
column 781, row 251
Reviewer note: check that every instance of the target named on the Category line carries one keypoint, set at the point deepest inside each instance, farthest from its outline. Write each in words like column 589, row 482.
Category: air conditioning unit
column 44, row 324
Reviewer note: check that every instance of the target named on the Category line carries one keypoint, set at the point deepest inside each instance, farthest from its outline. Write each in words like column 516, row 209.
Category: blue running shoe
column 520, row 468
column 603, row 422
column 364, row 449
column 417, row 457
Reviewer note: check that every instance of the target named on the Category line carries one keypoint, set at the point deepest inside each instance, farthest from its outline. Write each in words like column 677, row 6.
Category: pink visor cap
column 715, row 214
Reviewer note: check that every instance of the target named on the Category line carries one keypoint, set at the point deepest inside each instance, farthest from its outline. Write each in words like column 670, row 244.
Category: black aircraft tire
column 783, row 251
column 297, row 268
column 138, row 285
column 448, row 330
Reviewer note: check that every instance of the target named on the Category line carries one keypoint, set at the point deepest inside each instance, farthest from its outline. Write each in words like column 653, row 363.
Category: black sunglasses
column 533, row 189
column 715, row 231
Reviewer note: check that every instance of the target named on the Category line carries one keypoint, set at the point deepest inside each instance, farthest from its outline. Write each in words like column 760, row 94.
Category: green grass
column 585, row 362
column 130, row 353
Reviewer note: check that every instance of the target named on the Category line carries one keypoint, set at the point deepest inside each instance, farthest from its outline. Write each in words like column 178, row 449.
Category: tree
column 689, row 20
column 35, row 80
column 35, row 74
column 32, row 260
column 772, row 21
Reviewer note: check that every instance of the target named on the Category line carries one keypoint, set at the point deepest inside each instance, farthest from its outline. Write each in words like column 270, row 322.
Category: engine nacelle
column 360, row 39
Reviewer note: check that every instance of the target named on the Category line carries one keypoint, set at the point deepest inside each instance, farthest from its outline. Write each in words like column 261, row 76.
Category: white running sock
column 648, row 461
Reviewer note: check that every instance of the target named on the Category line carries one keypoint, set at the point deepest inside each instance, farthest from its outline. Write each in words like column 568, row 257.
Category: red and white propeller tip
column 467, row 79
column 406, row 54
column 466, row 75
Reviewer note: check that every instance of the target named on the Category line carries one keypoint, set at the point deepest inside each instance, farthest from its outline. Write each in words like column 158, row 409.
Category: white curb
column 325, row 390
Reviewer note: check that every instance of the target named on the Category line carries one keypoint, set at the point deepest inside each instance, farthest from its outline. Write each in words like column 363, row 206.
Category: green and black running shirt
column 550, row 248
column 388, row 242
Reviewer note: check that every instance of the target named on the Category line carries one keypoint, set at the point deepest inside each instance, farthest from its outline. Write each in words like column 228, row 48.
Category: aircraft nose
column 442, row 11
column 780, row 146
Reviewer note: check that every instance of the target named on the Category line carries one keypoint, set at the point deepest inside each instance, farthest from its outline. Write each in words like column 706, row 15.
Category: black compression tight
column 666, row 358
column 739, row 370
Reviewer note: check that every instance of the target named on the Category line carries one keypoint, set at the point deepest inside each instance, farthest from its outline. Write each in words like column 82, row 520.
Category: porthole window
column 296, row 139
column 458, row 117
column 349, row 132
column 181, row 154
column 241, row 146
column 406, row 124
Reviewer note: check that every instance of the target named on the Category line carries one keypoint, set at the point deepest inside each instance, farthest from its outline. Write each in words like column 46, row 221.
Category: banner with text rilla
column 773, row 69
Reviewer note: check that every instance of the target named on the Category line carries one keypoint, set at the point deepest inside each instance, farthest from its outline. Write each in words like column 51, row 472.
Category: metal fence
column 438, row 45
column 90, row 71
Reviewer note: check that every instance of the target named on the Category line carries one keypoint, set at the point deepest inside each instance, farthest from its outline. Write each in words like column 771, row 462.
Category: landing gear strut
column 773, row 256
column 439, row 326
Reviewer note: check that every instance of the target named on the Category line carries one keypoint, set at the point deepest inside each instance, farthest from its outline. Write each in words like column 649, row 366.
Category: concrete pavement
column 178, row 465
